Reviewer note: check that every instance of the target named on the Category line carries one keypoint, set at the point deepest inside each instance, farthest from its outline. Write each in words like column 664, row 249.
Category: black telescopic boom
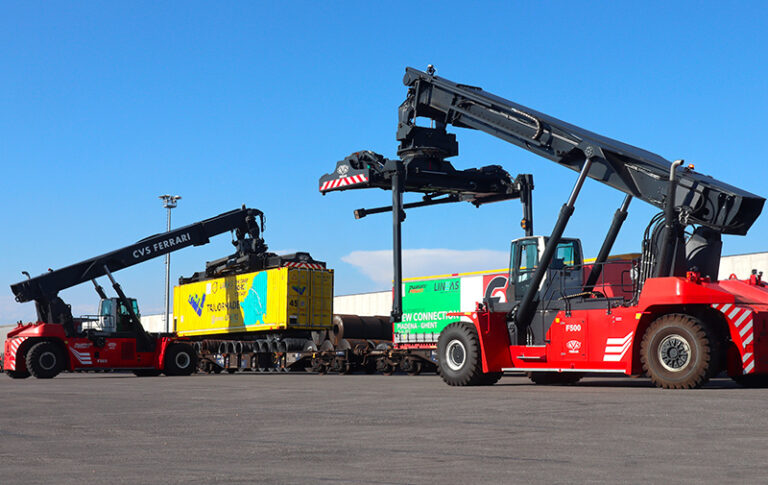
column 43, row 289
column 634, row 171
column 197, row 234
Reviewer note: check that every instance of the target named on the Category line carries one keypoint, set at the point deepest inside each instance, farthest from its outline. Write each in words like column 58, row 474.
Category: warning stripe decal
column 616, row 348
column 83, row 357
column 14, row 345
column 343, row 182
column 742, row 320
column 303, row 265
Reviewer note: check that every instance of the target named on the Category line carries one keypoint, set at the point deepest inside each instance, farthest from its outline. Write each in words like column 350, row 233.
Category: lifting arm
column 643, row 175
column 43, row 289
column 423, row 169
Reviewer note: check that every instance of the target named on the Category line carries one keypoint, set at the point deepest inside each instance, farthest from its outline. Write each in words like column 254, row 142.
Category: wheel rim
column 47, row 360
column 674, row 353
column 456, row 355
column 182, row 360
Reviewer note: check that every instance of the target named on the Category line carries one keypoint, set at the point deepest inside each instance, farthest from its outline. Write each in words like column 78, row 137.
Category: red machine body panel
column 599, row 340
column 84, row 353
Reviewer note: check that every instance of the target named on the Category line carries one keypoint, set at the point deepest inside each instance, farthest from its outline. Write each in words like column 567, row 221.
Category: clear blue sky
column 106, row 105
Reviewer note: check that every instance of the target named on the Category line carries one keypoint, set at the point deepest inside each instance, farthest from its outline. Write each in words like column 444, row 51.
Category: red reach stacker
column 664, row 314
column 115, row 339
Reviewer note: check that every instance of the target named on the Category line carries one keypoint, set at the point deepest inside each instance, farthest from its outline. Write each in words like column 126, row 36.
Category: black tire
column 147, row 372
column 180, row 360
column 752, row 380
column 45, row 360
column 17, row 374
column 458, row 350
column 554, row 378
column 491, row 378
column 680, row 351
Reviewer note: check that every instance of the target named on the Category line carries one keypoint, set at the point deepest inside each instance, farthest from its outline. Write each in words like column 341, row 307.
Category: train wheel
column 679, row 352
column 370, row 367
column 415, row 368
column 44, row 360
column 385, row 367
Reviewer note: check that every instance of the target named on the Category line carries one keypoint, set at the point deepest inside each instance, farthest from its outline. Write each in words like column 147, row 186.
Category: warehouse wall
column 742, row 265
column 364, row 304
column 156, row 323
column 4, row 329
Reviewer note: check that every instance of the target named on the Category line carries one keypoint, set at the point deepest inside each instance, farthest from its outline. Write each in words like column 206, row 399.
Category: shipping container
column 276, row 299
column 427, row 301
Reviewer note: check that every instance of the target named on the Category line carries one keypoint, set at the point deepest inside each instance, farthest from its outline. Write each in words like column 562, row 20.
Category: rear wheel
column 679, row 352
column 459, row 356
column 44, row 360
column 180, row 360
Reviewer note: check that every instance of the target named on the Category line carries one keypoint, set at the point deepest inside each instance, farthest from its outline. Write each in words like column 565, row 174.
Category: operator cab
column 563, row 278
column 114, row 317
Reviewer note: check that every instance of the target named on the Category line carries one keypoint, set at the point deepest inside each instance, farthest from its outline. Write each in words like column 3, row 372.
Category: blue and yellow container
column 274, row 299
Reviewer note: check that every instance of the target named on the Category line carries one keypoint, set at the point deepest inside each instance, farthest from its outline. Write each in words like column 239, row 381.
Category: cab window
column 525, row 258
column 106, row 308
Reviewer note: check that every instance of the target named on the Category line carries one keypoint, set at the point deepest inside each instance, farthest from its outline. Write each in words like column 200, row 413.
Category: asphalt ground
column 306, row 428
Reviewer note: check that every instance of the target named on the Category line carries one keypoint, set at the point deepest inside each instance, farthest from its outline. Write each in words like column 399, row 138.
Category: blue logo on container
column 299, row 289
column 197, row 303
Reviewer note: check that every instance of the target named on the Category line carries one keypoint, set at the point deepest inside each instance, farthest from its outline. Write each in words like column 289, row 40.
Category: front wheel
column 460, row 363
column 44, row 360
column 180, row 360
column 679, row 351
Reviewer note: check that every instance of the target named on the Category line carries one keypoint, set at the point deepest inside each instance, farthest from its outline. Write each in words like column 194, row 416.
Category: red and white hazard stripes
column 303, row 265
column 742, row 320
column 13, row 347
column 343, row 182
column 83, row 357
column 616, row 348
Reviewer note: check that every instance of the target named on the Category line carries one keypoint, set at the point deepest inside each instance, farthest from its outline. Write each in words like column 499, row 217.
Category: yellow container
column 269, row 300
